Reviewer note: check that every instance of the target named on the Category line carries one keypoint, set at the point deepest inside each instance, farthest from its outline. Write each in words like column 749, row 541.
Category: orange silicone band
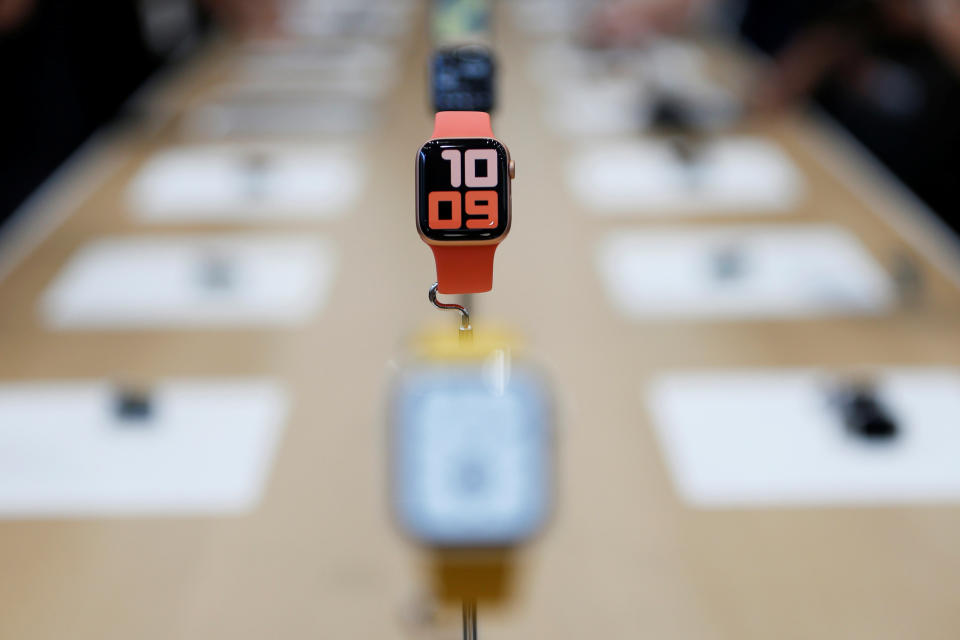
column 462, row 124
column 464, row 269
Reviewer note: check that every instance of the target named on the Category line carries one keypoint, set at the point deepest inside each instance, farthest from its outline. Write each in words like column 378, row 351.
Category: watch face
column 462, row 79
column 463, row 190
column 472, row 457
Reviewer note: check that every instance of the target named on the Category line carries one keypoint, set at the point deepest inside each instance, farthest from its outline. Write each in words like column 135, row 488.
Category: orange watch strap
column 462, row 124
column 464, row 268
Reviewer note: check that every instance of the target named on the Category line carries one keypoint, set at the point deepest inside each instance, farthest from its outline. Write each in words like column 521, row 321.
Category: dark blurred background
column 67, row 68
column 887, row 70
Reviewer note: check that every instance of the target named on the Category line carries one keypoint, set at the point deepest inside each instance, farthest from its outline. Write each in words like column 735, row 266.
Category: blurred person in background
column 887, row 70
column 67, row 67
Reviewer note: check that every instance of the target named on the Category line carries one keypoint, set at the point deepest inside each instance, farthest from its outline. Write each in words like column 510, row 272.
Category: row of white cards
column 599, row 92
column 738, row 438
column 277, row 280
column 324, row 73
column 290, row 90
column 761, row 438
column 734, row 272
column 91, row 448
column 735, row 438
column 256, row 183
column 604, row 99
column 276, row 138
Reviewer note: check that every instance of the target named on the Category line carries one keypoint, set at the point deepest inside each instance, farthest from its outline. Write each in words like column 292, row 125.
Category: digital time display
column 463, row 189
column 462, row 79
column 472, row 461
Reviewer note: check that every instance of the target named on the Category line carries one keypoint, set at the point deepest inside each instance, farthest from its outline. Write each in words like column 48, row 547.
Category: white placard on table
column 378, row 21
column 770, row 438
column 289, row 117
column 194, row 447
column 549, row 18
column 731, row 175
column 245, row 183
column 591, row 92
column 595, row 107
column 266, row 58
column 742, row 272
column 367, row 73
column 666, row 63
column 192, row 282
column 623, row 107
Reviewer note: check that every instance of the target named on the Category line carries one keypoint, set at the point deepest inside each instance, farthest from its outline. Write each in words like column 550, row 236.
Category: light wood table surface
column 623, row 557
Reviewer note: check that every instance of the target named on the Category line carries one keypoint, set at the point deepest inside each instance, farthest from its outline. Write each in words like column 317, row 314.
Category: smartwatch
column 462, row 79
column 463, row 199
column 472, row 460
